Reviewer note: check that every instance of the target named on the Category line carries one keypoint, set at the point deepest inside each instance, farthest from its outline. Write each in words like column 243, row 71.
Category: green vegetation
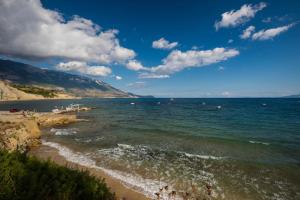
column 36, row 90
column 23, row 177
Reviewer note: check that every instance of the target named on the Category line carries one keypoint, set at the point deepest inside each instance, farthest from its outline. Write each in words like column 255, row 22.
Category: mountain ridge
column 292, row 96
column 16, row 73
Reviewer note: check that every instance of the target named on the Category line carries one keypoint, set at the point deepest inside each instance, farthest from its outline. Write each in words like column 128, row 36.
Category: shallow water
column 244, row 148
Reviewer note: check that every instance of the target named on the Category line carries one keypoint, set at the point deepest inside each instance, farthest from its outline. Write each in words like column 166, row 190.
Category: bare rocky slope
column 14, row 76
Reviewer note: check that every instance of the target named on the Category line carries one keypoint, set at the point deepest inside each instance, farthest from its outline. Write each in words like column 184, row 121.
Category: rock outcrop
column 19, row 135
column 20, row 131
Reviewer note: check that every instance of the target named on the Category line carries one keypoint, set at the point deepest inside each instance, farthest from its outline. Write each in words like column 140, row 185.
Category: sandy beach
column 45, row 152
column 26, row 126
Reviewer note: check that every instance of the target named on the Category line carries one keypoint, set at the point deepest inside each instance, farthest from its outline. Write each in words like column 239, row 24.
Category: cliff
column 20, row 131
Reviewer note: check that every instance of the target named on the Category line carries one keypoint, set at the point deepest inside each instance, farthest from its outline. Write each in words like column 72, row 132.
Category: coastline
column 44, row 152
column 21, row 131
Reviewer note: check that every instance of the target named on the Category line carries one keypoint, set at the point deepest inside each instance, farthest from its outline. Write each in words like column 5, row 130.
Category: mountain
column 50, row 83
column 292, row 96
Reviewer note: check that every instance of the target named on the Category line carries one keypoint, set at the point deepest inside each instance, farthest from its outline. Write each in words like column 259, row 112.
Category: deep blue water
column 247, row 148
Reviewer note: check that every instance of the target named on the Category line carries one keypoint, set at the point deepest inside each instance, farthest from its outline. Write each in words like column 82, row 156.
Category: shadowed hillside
column 80, row 86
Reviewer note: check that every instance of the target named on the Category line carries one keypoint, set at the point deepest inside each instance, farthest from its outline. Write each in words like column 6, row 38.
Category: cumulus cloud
column 135, row 65
column 28, row 30
column 247, row 32
column 162, row 43
column 177, row 61
column 237, row 17
column 84, row 68
column 118, row 78
column 230, row 41
column 271, row 33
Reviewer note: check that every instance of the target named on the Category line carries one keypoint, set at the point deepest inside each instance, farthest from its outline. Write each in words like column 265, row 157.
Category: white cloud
column 237, row 17
column 247, row 32
column 135, row 65
column 28, row 30
column 230, row 41
column 137, row 85
column 267, row 20
column 118, row 78
column 177, row 61
column 152, row 75
column 162, row 43
column 271, row 33
column 84, row 68
column 226, row 94
column 221, row 68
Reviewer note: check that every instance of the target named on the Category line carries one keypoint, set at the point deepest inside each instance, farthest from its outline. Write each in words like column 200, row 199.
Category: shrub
column 35, row 90
column 23, row 177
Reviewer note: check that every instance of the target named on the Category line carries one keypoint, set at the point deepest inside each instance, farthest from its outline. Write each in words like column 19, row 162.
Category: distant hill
column 292, row 96
column 34, row 79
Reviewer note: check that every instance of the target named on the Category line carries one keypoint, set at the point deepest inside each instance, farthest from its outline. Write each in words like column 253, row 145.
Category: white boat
column 73, row 107
column 70, row 108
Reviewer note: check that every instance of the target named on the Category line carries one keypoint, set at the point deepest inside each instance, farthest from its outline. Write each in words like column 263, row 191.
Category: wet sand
column 44, row 152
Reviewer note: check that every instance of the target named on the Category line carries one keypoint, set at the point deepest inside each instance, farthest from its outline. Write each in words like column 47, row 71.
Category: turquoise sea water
column 243, row 148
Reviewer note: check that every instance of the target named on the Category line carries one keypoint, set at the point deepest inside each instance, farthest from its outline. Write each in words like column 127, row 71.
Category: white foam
column 258, row 142
column 57, row 131
column 125, row 146
column 145, row 186
column 83, row 140
column 89, row 140
column 207, row 157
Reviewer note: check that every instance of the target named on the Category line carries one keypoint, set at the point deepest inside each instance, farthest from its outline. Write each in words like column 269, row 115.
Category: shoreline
column 44, row 152
column 72, row 98
column 23, row 131
column 41, row 99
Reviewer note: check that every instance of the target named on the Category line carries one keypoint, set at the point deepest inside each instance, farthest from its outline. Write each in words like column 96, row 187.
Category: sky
column 167, row 48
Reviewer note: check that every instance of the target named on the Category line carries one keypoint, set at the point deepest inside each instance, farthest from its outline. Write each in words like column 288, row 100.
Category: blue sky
column 265, row 62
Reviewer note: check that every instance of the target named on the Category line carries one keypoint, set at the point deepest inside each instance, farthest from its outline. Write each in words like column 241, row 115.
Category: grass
column 36, row 90
column 23, row 177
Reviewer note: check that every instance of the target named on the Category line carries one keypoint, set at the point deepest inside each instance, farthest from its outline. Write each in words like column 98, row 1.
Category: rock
column 21, row 131
column 19, row 135
column 51, row 119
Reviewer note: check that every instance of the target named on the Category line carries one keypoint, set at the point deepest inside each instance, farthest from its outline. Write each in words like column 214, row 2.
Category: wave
column 88, row 140
column 203, row 156
column 145, row 186
column 67, row 131
column 172, row 167
column 125, row 146
column 258, row 142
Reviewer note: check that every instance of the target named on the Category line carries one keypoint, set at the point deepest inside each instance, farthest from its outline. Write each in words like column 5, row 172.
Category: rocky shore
column 21, row 130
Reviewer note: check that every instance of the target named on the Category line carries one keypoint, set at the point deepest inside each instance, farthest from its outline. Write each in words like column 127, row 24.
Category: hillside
column 292, row 96
column 22, row 81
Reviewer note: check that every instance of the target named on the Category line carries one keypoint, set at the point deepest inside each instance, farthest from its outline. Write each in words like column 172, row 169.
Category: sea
column 200, row 148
